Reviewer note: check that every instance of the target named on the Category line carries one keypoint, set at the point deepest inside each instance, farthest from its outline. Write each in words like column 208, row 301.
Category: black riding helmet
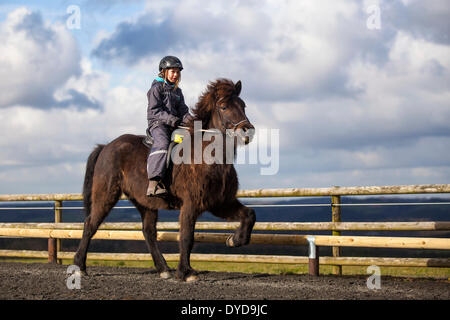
column 170, row 62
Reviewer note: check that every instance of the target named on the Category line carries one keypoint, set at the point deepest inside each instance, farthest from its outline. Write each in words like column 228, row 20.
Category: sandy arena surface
column 49, row 281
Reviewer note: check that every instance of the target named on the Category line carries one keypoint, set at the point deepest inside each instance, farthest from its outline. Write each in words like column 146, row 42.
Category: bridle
column 224, row 120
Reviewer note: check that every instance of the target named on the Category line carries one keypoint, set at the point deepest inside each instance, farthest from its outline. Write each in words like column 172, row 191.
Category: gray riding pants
column 156, row 161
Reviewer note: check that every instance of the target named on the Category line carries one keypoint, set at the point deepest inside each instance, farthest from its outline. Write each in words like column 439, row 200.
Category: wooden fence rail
column 264, row 193
column 243, row 258
column 259, row 226
column 132, row 231
column 277, row 239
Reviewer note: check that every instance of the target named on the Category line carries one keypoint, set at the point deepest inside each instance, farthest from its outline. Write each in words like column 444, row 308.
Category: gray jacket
column 166, row 105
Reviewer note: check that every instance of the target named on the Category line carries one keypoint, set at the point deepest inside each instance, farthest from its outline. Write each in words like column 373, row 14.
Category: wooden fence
column 132, row 231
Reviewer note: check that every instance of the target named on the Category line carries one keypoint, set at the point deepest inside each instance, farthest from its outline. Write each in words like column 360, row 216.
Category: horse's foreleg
column 188, row 217
column 247, row 218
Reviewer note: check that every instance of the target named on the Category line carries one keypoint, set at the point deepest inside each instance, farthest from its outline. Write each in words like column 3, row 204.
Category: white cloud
column 36, row 59
column 92, row 83
column 354, row 106
column 33, row 136
column 58, row 140
column 44, row 147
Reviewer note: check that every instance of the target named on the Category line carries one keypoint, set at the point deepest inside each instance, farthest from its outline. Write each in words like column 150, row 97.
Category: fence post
column 58, row 219
column 52, row 253
column 313, row 260
column 336, row 217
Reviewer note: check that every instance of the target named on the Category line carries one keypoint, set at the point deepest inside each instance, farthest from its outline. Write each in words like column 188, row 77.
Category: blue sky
column 354, row 105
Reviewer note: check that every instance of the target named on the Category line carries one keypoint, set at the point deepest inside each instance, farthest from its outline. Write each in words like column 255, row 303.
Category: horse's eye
column 223, row 108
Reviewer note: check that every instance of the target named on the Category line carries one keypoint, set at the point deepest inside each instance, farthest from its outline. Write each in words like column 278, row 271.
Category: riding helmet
column 170, row 62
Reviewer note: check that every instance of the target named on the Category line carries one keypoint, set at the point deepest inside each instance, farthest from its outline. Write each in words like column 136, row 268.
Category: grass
column 268, row 268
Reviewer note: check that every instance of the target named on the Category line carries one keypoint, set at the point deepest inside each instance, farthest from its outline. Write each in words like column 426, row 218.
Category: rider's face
column 173, row 74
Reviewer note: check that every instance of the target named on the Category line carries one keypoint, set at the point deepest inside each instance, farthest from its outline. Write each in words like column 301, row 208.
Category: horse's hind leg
column 149, row 219
column 188, row 217
column 102, row 203
column 238, row 212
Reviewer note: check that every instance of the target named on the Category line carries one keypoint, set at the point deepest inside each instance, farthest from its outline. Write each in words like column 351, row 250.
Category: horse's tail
column 88, row 178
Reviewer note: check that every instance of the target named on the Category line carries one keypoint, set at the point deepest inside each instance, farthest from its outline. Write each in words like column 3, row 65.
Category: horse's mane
column 222, row 89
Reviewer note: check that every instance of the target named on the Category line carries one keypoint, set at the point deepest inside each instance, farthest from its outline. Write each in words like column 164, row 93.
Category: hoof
column 192, row 278
column 229, row 242
column 165, row 275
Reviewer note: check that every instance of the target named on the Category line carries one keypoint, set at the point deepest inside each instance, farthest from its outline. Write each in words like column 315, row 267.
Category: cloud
column 131, row 42
column 333, row 85
column 31, row 51
column 428, row 21
column 282, row 52
column 188, row 25
column 36, row 142
column 354, row 106
column 45, row 178
column 37, row 60
column 79, row 100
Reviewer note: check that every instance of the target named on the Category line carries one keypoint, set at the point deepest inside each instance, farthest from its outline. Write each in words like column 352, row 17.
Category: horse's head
column 223, row 109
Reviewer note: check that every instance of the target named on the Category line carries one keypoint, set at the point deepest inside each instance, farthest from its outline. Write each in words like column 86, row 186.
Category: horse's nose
column 249, row 132
column 248, row 126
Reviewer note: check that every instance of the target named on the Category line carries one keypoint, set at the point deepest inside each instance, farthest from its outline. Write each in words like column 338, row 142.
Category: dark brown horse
column 120, row 167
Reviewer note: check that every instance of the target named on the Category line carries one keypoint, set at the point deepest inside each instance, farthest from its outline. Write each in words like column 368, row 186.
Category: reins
column 222, row 123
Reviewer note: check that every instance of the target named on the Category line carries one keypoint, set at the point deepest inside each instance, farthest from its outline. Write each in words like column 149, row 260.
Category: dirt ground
column 46, row 281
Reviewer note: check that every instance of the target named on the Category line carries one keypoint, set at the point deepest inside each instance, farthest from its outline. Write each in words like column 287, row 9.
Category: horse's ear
column 238, row 87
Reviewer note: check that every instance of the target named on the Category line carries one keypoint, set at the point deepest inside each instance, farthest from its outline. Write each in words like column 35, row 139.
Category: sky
column 358, row 92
